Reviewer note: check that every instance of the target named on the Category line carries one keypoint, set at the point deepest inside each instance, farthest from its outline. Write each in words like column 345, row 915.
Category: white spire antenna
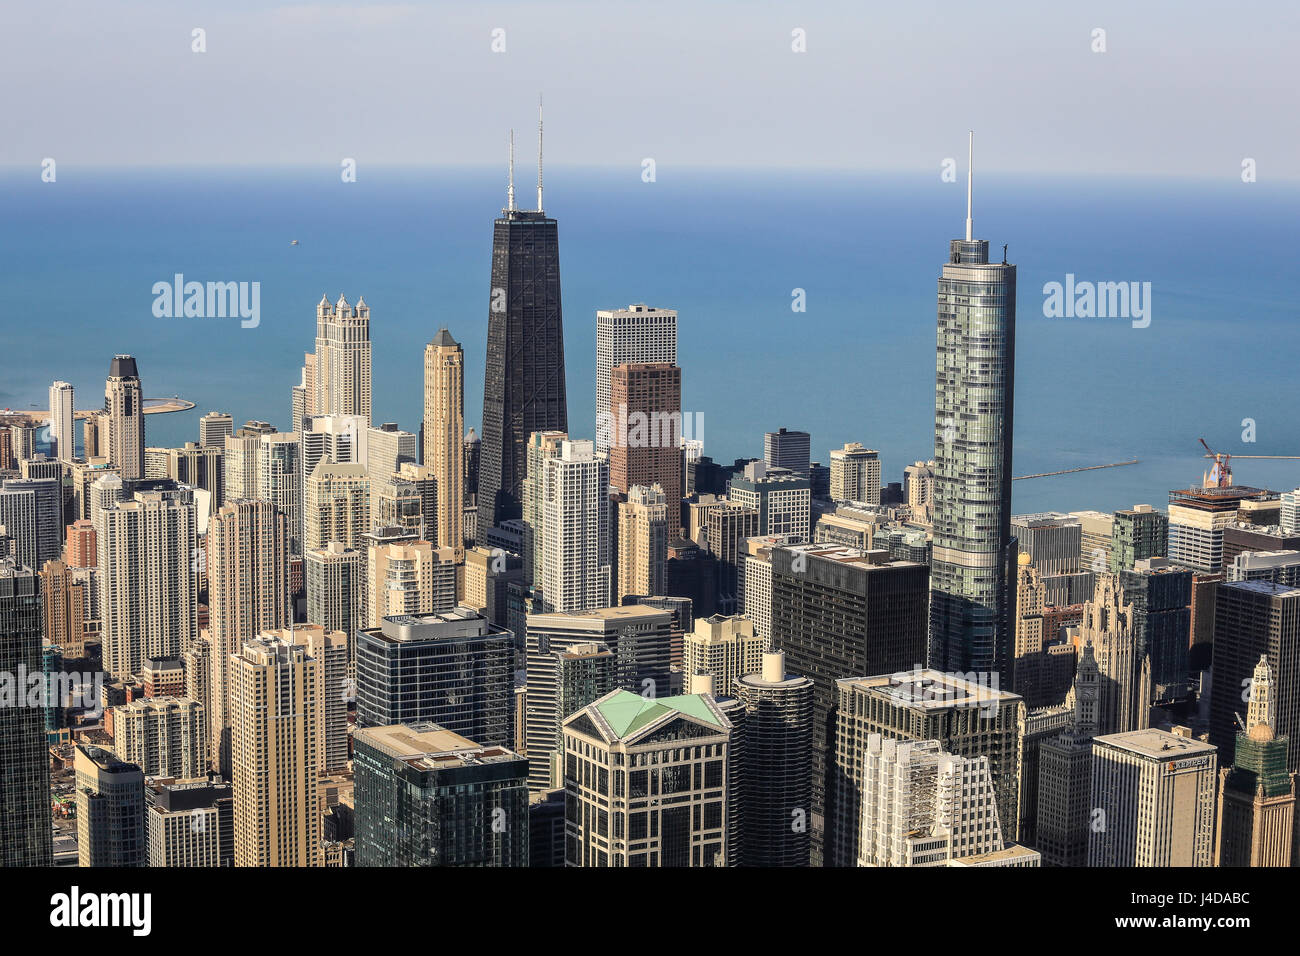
column 970, row 185
column 539, row 152
column 510, row 192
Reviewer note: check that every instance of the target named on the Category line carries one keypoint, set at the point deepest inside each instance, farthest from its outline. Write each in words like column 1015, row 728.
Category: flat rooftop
column 929, row 689
column 1157, row 743
column 427, row 746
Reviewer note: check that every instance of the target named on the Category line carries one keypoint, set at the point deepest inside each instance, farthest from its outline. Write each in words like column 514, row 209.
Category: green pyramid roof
column 627, row 713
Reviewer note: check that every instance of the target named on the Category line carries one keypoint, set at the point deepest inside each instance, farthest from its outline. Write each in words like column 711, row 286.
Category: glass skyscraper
column 973, row 567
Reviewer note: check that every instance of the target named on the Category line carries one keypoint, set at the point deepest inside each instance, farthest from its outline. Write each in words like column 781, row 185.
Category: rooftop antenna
column 510, row 192
column 539, row 152
column 970, row 184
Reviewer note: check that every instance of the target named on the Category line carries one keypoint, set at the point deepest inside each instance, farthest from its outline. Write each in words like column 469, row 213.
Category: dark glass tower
column 523, row 386
column 24, row 761
column 972, row 576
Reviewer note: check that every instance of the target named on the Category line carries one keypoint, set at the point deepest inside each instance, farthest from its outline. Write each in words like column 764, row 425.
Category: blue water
column 726, row 250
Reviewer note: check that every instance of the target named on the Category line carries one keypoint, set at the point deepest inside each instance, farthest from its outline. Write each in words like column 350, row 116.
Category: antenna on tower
column 539, row 152
column 970, row 184
column 510, row 192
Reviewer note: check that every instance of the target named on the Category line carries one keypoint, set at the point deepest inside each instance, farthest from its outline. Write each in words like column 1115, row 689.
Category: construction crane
column 1220, row 475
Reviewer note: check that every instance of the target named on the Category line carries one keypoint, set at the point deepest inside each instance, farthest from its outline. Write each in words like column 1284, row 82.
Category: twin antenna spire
column 510, row 191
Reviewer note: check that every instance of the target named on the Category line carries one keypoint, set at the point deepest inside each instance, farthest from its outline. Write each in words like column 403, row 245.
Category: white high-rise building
column 148, row 563
column 637, row 334
column 575, row 529
column 855, row 474
column 240, row 459
column 924, row 807
column 214, row 427
column 63, row 443
column 341, row 377
column 279, row 481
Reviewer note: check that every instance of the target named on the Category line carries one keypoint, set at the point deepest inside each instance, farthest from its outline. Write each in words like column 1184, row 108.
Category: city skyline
column 842, row 525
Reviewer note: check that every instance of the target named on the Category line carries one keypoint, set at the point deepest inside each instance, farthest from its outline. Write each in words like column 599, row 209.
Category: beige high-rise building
column 643, row 529
column 248, row 592
column 855, row 474
column 241, row 454
column 1124, row 703
column 275, row 697
column 122, row 422
column 720, row 650
column 412, row 577
column 336, row 505
column 341, row 376
column 147, row 562
column 330, row 650
column 163, row 736
column 1029, row 662
column 1153, row 793
column 65, row 599
column 444, row 431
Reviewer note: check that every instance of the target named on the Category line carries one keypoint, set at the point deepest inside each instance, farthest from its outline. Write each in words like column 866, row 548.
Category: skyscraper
column 336, row 505
column 775, row 779
column 123, row 418
column 444, row 430
column 1256, row 818
column 973, row 567
column 968, row 719
column 855, row 474
column 149, row 592
column 787, row 449
column 63, row 442
column 1254, row 618
column 24, row 758
column 922, row 806
column 614, row 817
column 163, row 736
column 455, row 669
column 341, row 385
column 575, row 512
column 427, row 796
column 214, row 427
column 645, row 446
column 836, row 612
column 642, row 542
column 1153, row 793
column 275, row 701
column 639, row 333
column 248, row 593
column 523, row 386
column 110, row 810
column 279, row 481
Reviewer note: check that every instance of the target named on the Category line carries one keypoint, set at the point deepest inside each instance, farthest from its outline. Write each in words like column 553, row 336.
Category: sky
column 1185, row 89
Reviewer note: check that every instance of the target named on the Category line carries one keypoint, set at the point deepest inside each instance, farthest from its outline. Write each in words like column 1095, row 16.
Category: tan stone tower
column 444, row 431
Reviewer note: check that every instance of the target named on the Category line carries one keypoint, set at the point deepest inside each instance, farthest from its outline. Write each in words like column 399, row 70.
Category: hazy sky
column 1184, row 88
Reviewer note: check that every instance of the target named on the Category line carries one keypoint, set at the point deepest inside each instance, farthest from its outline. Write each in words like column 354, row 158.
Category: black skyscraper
column 523, row 388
